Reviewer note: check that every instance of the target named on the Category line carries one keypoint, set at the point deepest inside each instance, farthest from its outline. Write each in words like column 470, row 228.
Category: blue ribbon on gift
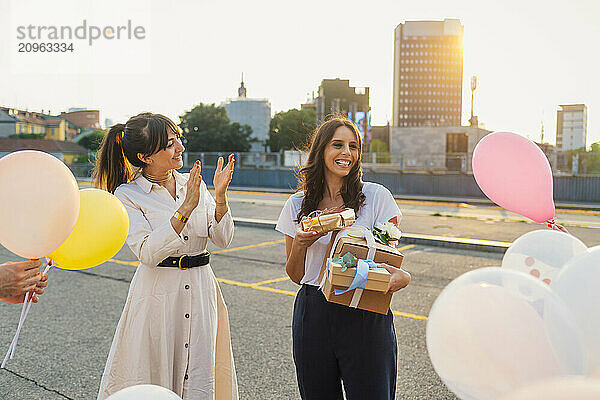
column 362, row 271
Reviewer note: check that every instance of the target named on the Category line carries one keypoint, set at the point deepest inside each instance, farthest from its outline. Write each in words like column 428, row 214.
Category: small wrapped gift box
column 359, row 248
column 322, row 221
column 360, row 243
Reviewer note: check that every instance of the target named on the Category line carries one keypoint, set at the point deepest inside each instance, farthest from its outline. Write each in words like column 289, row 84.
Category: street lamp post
column 473, row 87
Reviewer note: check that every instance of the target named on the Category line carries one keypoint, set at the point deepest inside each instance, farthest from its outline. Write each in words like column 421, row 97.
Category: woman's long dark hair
column 311, row 177
column 145, row 133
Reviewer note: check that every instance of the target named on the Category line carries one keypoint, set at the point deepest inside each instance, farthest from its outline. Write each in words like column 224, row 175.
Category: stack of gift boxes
column 349, row 244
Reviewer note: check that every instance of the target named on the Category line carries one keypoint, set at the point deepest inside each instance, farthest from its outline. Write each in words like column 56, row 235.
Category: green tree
column 92, row 140
column 290, row 130
column 378, row 146
column 381, row 150
column 593, row 162
column 27, row 136
column 207, row 128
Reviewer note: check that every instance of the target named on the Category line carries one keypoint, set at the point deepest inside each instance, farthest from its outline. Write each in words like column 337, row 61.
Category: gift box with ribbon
column 363, row 286
column 349, row 271
column 328, row 220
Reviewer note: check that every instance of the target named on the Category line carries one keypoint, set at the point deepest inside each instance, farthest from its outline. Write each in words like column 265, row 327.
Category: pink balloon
column 515, row 174
column 39, row 201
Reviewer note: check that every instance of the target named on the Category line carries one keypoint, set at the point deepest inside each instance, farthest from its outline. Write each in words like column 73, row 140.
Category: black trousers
column 335, row 343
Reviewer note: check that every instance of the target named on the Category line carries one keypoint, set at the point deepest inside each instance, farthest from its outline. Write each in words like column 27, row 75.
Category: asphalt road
column 442, row 218
column 66, row 338
column 65, row 341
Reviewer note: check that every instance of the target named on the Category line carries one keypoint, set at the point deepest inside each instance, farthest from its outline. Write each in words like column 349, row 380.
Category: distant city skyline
column 529, row 58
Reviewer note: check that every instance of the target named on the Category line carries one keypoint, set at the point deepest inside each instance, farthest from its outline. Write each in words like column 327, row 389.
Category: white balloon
column 144, row 392
column 542, row 253
column 565, row 388
column 578, row 284
column 492, row 331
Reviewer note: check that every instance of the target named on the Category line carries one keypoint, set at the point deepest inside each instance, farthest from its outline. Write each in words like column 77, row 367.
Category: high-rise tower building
column 428, row 72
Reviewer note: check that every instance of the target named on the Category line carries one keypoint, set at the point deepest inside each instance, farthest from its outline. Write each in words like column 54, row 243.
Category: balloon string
column 12, row 343
column 28, row 301
column 556, row 227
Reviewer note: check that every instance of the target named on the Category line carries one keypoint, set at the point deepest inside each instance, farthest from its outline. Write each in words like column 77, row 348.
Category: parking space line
column 235, row 283
column 260, row 285
column 285, row 278
column 133, row 263
column 409, row 315
column 291, row 293
column 274, row 290
column 247, row 247
column 265, row 194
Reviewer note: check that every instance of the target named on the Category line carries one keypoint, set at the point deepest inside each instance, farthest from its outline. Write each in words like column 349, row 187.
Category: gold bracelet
column 180, row 217
column 221, row 204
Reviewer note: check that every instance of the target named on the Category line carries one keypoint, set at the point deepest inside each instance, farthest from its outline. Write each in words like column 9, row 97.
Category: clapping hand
column 223, row 176
column 194, row 182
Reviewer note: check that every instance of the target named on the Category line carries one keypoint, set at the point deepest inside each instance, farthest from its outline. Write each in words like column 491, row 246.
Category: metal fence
column 562, row 163
column 290, row 159
column 243, row 160
column 566, row 188
column 576, row 163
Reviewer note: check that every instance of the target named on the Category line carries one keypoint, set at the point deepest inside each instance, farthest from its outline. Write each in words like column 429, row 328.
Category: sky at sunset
column 529, row 56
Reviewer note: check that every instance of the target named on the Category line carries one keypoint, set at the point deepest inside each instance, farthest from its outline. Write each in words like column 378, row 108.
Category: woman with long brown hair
column 174, row 329
column 332, row 343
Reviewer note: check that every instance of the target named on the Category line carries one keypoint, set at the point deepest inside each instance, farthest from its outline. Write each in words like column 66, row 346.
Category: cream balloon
column 542, row 253
column 565, row 388
column 489, row 333
column 144, row 392
column 40, row 203
column 578, row 285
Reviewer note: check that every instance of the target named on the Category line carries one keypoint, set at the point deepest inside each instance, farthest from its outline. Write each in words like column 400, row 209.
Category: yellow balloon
column 99, row 233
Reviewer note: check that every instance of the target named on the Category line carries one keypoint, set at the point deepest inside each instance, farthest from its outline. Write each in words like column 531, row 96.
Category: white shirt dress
column 174, row 329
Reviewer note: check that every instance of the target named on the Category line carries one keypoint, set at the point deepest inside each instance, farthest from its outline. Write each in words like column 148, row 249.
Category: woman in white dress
column 174, row 329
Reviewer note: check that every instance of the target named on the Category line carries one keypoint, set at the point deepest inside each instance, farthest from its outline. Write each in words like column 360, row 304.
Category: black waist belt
column 185, row 261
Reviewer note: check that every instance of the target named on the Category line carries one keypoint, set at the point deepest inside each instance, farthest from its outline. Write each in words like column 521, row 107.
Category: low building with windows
column 436, row 148
column 253, row 112
column 19, row 122
column 571, row 127
column 63, row 150
column 81, row 120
